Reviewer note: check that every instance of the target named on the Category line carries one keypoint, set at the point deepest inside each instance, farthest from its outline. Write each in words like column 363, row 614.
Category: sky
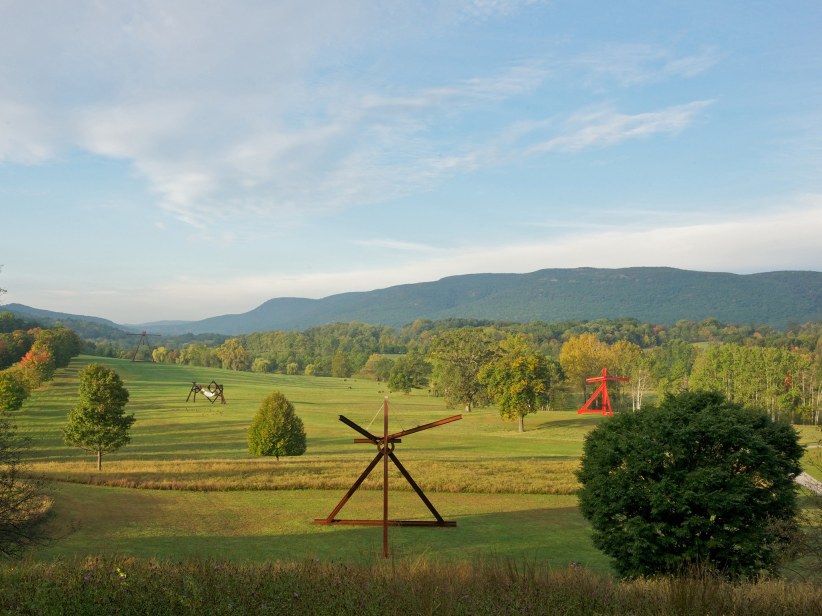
column 176, row 159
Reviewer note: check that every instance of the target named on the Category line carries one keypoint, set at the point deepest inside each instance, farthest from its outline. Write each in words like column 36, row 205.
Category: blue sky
column 184, row 159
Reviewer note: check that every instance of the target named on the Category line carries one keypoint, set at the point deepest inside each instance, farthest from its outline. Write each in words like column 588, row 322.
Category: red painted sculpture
column 601, row 392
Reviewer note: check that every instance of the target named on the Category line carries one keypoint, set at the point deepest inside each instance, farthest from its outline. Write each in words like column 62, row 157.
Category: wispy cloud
column 600, row 128
column 396, row 245
column 272, row 121
column 631, row 64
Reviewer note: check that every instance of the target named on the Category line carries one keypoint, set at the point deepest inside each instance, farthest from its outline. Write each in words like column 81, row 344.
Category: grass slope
column 511, row 493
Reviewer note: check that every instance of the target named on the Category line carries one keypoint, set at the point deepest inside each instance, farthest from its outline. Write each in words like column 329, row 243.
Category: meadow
column 184, row 520
column 186, row 485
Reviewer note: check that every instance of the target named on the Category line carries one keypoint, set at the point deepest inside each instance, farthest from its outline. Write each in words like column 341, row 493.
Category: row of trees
column 37, row 353
column 342, row 349
column 447, row 358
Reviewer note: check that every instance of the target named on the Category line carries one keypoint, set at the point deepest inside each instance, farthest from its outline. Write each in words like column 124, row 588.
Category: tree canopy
column 458, row 356
column 696, row 482
column 98, row 423
column 276, row 430
column 519, row 379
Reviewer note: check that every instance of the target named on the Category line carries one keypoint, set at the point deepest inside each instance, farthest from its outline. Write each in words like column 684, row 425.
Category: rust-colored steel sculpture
column 385, row 451
column 605, row 404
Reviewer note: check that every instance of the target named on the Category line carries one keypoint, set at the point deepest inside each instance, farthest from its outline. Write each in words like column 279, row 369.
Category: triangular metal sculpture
column 605, row 404
column 385, row 451
column 144, row 337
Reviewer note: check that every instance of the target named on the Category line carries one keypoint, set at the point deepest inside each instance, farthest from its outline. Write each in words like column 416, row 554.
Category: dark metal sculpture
column 143, row 338
column 385, row 451
column 211, row 392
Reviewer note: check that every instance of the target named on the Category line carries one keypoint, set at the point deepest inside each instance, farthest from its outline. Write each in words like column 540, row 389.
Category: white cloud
column 26, row 137
column 600, row 128
column 229, row 110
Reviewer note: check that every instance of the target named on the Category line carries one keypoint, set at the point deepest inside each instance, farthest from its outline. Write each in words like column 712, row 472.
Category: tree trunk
column 99, row 459
column 468, row 407
column 522, row 423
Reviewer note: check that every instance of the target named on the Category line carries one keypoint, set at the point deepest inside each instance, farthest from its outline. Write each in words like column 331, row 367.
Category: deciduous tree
column 340, row 365
column 12, row 391
column 276, row 430
column 583, row 357
column 458, row 356
column 99, row 423
column 408, row 372
column 697, row 482
column 519, row 378
column 233, row 355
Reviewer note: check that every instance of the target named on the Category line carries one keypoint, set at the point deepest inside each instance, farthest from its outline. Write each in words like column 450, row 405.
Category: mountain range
column 649, row 294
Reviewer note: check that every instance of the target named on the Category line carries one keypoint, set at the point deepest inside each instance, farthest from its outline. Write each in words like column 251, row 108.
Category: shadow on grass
column 581, row 422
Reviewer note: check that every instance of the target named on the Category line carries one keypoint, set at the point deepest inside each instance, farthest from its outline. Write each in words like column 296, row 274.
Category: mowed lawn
column 187, row 487
column 203, row 495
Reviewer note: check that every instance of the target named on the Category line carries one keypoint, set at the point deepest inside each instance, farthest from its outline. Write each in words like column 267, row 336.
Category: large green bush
column 276, row 430
column 698, row 482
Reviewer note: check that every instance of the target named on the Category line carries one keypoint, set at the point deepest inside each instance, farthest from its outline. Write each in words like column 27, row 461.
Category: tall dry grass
column 133, row 586
column 527, row 476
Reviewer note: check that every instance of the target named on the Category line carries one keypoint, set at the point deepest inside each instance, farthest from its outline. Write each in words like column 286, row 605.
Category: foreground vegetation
column 141, row 586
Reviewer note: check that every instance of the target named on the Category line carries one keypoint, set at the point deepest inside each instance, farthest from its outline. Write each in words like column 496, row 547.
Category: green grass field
column 203, row 495
column 183, row 520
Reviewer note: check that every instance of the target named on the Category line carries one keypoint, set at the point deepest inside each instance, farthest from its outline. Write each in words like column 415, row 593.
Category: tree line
column 780, row 370
column 29, row 357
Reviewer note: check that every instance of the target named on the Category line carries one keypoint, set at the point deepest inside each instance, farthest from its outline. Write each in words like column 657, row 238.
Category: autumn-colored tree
column 583, row 357
column 37, row 366
column 233, row 355
column 62, row 342
column 519, row 378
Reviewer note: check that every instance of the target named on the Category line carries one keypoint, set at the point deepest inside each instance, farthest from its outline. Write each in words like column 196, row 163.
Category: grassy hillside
column 183, row 521
column 511, row 494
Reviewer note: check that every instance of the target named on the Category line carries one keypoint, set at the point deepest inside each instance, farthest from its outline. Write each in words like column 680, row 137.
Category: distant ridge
column 650, row 294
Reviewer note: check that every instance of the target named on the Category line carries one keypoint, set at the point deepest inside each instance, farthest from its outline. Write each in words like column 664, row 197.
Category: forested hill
column 650, row 294
column 656, row 295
